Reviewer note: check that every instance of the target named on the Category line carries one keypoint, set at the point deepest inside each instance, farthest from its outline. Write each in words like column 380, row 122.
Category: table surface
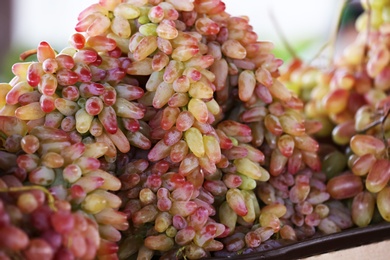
column 377, row 251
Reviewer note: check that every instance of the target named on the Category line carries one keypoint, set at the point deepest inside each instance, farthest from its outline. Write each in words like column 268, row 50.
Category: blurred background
column 306, row 24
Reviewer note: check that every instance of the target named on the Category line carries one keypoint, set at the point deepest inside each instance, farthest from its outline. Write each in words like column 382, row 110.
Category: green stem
column 50, row 198
column 282, row 36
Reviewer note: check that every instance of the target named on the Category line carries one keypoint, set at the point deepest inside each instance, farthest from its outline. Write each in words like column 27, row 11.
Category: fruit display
column 168, row 130
column 351, row 99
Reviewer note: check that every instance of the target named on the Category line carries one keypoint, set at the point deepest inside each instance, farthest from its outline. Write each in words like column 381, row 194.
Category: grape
column 378, row 176
column 344, row 186
column 38, row 248
column 34, row 235
column 15, row 240
column 381, row 201
column 363, row 208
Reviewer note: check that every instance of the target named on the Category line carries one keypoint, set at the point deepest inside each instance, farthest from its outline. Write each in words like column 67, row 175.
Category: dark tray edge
column 350, row 238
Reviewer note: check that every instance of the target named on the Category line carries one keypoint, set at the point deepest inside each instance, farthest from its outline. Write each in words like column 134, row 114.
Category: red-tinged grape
column 234, row 242
column 101, row 43
column 336, row 101
column 378, row 176
column 270, row 220
column 62, row 221
column 40, row 218
column 291, row 125
column 144, row 215
column 179, row 222
column 77, row 243
column 344, row 186
column 179, row 151
column 232, row 180
column 164, row 204
column 54, row 239
column 273, row 125
column 306, row 143
column 77, row 40
column 85, row 56
column 108, row 119
column 277, row 163
column 94, row 105
column 108, row 96
column 183, row 192
column 34, row 74
column 65, row 61
column 266, row 193
column 163, row 221
column 185, row 236
column 13, row 143
column 252, row 239
column 45, row 51
column 362, row 165
column 286, row 145
column 64, row 254
column 364, row 144
column 42, row 175
column 67, row 77
column 199, row 218
column 71, row 93
column 31, row 111
column 183, row 208
column 13, row 238
column 363, row 206
column 159, row 242
column 382, row 201
column 236, row 201
column 206, row 26
column 107, row 248
column 311, row 159
column 48, row 84
column 278, row 209
column 300, row 191
column 295, row 162
column 146, row 196
column 29, row 97
column 287, row 232
column 38, row 249
column 217, row 188
column 47, row 103
column 17, row 92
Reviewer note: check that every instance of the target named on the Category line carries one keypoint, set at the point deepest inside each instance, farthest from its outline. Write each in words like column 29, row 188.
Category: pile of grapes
column 167, row 129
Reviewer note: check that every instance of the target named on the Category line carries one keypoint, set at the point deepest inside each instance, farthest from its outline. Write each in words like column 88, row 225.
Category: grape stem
column 180, row 252
column 365, row 53
column 383, row 114
column 331, row 43
column 50, row 197
column 24, row 55
column 3, row 135
column 281, row 34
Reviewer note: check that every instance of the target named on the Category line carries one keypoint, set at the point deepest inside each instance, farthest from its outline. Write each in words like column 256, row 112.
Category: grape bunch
column 351, row 98
column 164, row 130
column 365, row 131
column 35, row 225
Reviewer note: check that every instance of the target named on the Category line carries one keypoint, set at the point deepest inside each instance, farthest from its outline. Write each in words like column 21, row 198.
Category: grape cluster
column 352, row 99
column 164, row 129
column 35, row 225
